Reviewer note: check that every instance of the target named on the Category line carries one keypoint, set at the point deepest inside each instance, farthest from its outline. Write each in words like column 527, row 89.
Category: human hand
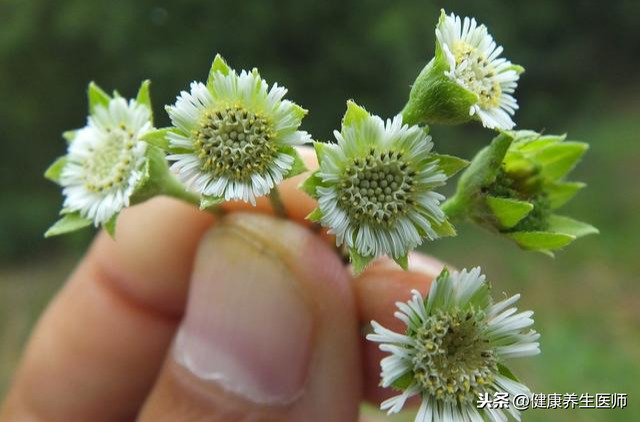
column 191, row 317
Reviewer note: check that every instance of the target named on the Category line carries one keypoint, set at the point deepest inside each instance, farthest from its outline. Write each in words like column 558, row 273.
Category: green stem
column 454, row 209
column 276, row 203
column 173, row 188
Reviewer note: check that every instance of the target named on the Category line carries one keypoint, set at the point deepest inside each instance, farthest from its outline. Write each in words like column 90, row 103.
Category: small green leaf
column 158, row 138
column 355, row 114
column 143, row 96
column 403, row 262
column 541, row 240
column 444, row 229
column 508, row 211
column 218, row 65
column 507, row 372
column 298, row 166
column 210, row 201
column 559, row 159
column 450, row 164
column 68, row 223
column 110, row 226
column 310, row 184
column 55, row 169
column 97, row 97
column 559, row 193
column 70, row 135
column 358, row 261
column 315, row 215
column 566, row 225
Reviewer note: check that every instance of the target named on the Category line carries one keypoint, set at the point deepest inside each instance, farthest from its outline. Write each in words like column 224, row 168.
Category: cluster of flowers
column 235, row 138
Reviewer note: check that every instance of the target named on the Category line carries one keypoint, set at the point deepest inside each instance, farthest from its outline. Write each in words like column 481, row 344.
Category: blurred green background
column 581, row 60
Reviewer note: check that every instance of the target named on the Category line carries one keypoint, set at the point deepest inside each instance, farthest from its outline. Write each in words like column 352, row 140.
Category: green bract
column 515, row 185
column 107, row 167
column 375, row 187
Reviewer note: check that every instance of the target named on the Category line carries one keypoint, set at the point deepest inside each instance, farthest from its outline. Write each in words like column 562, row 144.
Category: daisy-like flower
column 475, row 63
column 234, row 137
column 467, row 79
column 106, row 160
column 375, row 187
column 454, row 348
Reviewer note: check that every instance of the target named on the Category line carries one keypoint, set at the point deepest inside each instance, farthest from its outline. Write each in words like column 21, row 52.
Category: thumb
column 270, row 331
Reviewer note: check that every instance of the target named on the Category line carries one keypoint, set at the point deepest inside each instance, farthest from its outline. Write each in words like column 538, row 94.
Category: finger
column 376, row 291
column 270, row 331
column 96, row 351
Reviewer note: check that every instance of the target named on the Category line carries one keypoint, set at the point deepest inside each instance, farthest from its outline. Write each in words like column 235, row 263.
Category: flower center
column 453, row 361
column 233, row 142
column 477, row 73
column 377, row 189
column 110, row 161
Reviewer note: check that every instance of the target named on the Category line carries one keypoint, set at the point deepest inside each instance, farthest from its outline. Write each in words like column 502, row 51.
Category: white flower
column 376, row 186
column 453, row 349
column 234, row 136
column 475, row 65
column 106, row 160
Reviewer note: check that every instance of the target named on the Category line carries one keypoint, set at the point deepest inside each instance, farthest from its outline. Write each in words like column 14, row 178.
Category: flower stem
column 454, row 209
column 173, row 188
column 276, row 203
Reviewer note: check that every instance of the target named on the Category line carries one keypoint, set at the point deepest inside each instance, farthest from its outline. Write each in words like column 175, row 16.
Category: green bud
column 514, row 186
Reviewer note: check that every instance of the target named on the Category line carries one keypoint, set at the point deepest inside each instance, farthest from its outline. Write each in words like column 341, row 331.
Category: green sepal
column 70, row 135
column 434, row 98
column 566, row 225
column 68, row 223
column 110, row 226
column 481, row 172
column 210, row 201
column 144, row 97
column 218, row 65
column 319, row 149
column 298, row 111
column 559, row 193
column 310, row 184
column 158, row 138
column 485, row 165
column 403, row 382
column 402, row 261
column 444, row 229
column 508, row 211
column 354, row 115
column 298, row 166
column 97, row 97
column 504, row 371
column 358, row 262
column 541, row 240
column 55, row 170
column 559, row 159
column 450, row 164
column 315, row 215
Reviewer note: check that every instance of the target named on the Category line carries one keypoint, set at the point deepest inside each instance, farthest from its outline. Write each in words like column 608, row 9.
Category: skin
column 83, row 361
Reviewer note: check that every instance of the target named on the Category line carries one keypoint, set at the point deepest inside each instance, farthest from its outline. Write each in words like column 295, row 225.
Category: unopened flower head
column 453, row 349
column 515, row 185
column 235, row 135
column 375, row 186
column 475, row 64
column 105, row 161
